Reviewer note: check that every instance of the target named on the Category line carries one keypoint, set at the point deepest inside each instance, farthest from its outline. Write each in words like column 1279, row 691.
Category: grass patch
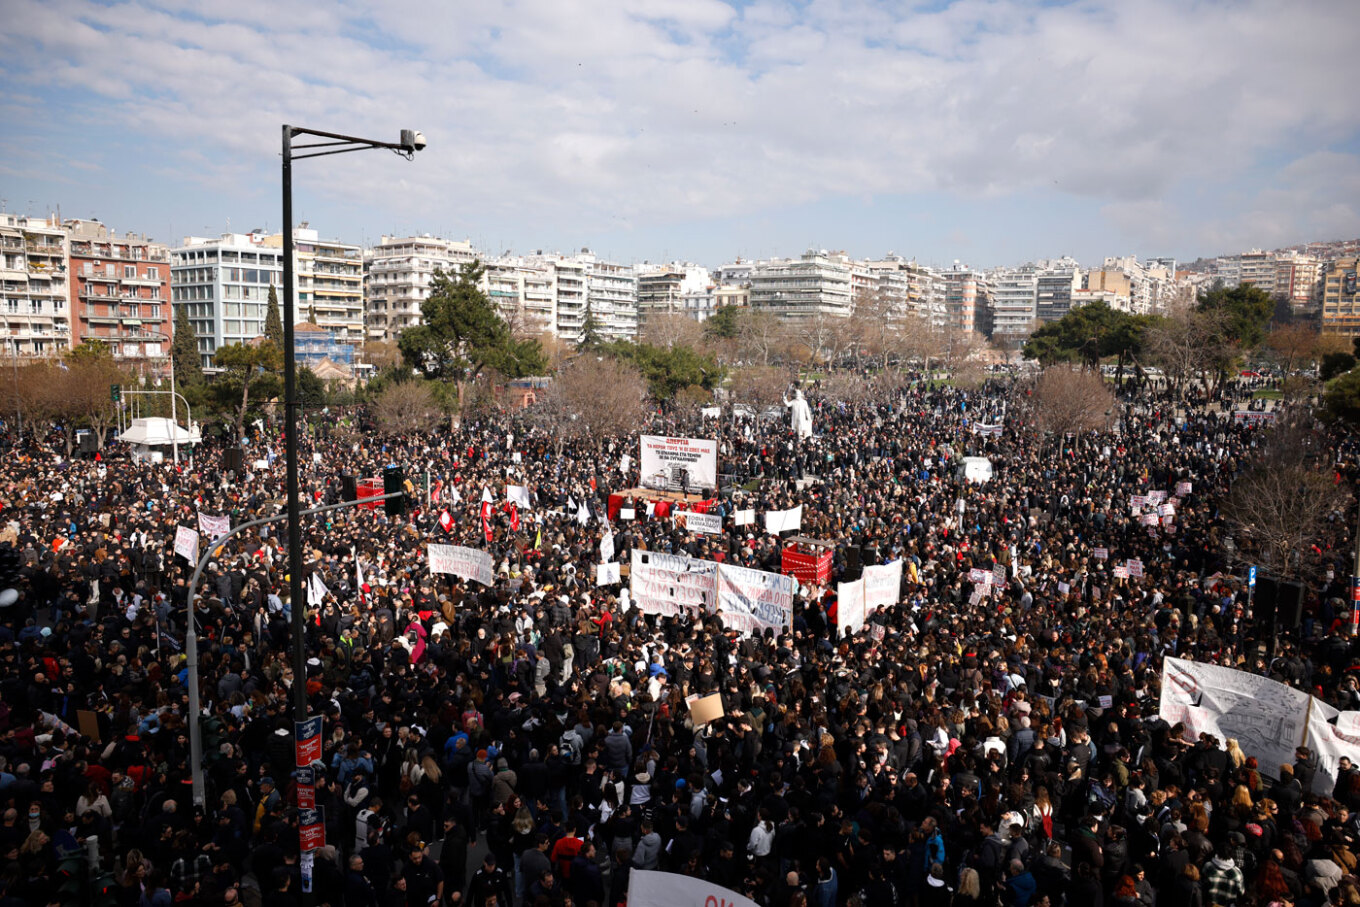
column 1267, row 395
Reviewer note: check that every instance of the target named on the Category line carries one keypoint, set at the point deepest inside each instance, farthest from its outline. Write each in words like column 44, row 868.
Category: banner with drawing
column 678, row 462
column 751, row 600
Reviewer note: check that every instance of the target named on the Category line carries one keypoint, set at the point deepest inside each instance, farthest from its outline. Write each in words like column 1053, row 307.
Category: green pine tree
column 273, row 323
column 184, row 349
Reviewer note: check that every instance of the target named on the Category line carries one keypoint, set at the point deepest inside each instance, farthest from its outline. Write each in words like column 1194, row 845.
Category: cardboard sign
column 777, row 521
column 705, row 709
column 627, row 513
column 1121, row 572
column 1105, row 701
column 1134, row 566
column 186, row 544
column 607, row 574
column 88, row 721
column 1183, row 489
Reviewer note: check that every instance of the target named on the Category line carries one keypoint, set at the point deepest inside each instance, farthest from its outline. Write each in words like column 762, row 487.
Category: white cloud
column 581, row 113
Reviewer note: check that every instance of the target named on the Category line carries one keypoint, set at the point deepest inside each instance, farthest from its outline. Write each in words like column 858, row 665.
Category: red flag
column 446, row 521
column 514, row 515
column 486, row 519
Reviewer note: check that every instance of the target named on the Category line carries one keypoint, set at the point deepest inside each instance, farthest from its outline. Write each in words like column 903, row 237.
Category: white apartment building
column 35, row 302
column 524, row 292
column 611, row 298
column 224, row 283
column 965, row 296
column 910, row 288
column 1015, row 299
column 816, row 284
column 1298, row 278
column 663, row 289
column 399, row 271
column 1056, row 282
column 328, row 282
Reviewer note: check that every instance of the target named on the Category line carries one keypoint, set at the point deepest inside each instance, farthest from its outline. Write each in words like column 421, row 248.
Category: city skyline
column 991, row 133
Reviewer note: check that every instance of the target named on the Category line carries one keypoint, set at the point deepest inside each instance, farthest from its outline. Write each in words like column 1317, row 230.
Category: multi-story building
column 662, row 288
column 611, row 298
column 1056, row 281
column 398, row 275
column 816, row 284
column 908, row 288
column 524, row 292
column 223, row 284
column 120, row 292
column 328, row 281
column 1341, row 297
column 1014, row 301
column 964, row 297
column 1298, row 280
column 35, row 303
column 1258, row 269
column 731, row 295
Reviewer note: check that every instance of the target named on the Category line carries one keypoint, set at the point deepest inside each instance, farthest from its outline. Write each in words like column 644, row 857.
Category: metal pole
column 174, row 412
column 191, row 635
column 290, row 428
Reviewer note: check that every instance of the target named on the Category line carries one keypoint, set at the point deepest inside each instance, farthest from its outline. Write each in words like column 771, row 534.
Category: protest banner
column 850, row 607
column 1134, row 566
column 708, row 523
column 1102, row 554
column 1183, row 489
column 978, row 575
column 518, row 494
column 186, row 544
column 213, row 527
column 705, row 709
column 607, row 574
column 647, row 888
column 678, row 462
column 751, row 600
column 777, row 521
column 468, row 563
column 607, row 546
column 1121, row 572
column 744, row 517
column 669, row 584
column 882, row 586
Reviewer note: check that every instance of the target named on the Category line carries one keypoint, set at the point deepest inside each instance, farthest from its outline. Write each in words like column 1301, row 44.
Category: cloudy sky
column 991, row 131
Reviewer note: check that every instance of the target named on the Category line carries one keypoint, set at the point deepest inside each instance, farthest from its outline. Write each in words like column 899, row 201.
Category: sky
column 992, row 132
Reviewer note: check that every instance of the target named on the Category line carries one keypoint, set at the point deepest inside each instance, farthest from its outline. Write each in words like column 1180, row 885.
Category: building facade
column 223, row 284
column 816, row 284
column 611, row 298
column 1055, row 283
column 1341, row 297
column 120, row 292
column 35, row 302
column 663, row 289
column 328, row 281
column 524, row 292
column 1014, row 297
column 398, row 272
column 964, row 295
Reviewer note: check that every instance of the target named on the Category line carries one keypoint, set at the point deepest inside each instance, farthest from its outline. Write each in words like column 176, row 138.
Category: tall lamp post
column 174, row 409
column 408, row 143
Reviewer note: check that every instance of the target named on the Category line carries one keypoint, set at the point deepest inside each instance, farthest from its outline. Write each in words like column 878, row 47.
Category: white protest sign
column 607, row 574
column 669, row 584
column 751, row 600
column 850, row 606
column 186, row 544
column 627, row 513
column 678, row 462
column 1102, row 554
column 744, row 517
column 468, row 563
column 978, row 575
column 1183, row 489
column 1134, row 566
column 777, row 521
column 213, row 527
column 882, row 585
column 518, row 494
column 607, row 546
column 664, row 889
column 709, row 523
column 1121, row 572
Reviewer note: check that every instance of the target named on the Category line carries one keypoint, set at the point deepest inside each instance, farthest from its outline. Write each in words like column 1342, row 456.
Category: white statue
column 800, row 416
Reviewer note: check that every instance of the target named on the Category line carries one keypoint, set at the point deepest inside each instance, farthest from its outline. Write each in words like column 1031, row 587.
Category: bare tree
column 847, row 387
column 827, row 337
column 672, row 329
column 760, row 385
column 1185, row 346
column 1284, row 496
column 1067, row 400
column 592, row 396
column 406, row 408
column 1293, row 344
column 763, row 338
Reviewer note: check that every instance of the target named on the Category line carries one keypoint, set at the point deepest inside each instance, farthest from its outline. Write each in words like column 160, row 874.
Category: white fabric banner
column 606, row 574
column 186, row 544
column 850, row 606
column 709, row 523
column 518, row 494
column 647, row 888
column 668, row 584
column 751, row 600
column 316, row 590
column 468, row 563
column 744, row 517
column 882, row 586
column 213, row 527
column 678, row 462
column 777, row 521
column 607, row 546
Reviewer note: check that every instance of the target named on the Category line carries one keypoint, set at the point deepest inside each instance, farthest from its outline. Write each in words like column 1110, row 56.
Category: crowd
column 529, row 743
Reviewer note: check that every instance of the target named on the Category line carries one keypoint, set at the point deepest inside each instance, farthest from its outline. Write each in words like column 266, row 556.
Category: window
column 131, row 271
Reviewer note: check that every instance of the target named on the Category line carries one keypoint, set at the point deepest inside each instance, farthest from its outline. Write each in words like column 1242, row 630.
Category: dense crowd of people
column 965, row 747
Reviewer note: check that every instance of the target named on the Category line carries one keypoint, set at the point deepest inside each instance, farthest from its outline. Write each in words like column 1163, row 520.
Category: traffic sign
column 1251, row 577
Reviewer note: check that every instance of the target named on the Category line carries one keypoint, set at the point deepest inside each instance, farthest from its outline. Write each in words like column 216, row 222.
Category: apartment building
column 524, row 292
column 328, row 282
column 664, row 290
column 35, row 302
column 965, row 296
column 1056, row 281
column 816, row 284
column 1014, row 298
column 398, row 272
column 1341, row 297
column 223, row 284
column 120, row 291
column 1298, row 280
column 611, row 298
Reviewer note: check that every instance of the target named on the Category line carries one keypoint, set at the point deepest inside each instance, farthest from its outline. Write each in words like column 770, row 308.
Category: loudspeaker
column 1289, row 605
column 852, row 557
column 349, row 488
column 232, row 459
column 1265, row 602
column 394, row 480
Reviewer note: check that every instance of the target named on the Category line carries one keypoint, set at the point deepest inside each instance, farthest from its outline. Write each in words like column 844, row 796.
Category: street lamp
column 408, row 143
